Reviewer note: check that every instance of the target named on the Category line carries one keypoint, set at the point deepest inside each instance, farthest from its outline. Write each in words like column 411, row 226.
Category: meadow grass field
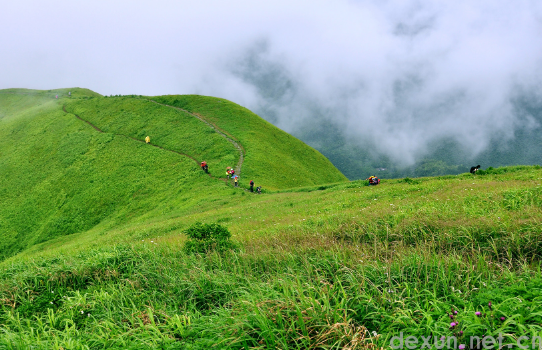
column 331, row 265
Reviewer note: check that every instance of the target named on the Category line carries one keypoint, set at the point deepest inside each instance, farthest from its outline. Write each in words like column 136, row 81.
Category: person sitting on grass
column 373, row 180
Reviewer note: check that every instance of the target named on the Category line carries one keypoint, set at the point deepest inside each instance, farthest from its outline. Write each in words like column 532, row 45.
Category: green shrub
column 204, row 238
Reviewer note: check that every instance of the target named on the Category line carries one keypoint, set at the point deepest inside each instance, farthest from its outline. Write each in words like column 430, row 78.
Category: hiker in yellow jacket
column 147, row 139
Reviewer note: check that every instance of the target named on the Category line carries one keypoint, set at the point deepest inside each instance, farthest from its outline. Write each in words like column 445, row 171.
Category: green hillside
column 273, row 157
column 93, row 232
column 61, row 175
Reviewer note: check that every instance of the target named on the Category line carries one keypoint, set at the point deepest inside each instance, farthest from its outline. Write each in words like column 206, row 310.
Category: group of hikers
column 373, row 180
column 230, row 173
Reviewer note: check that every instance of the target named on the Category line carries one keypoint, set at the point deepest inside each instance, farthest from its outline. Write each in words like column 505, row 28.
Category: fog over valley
column 371, row 84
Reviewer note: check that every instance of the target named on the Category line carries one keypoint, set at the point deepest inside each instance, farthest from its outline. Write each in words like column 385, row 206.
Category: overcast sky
column 399, row 72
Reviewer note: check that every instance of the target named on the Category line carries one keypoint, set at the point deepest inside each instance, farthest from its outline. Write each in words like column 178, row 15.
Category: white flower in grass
column 374, row 333
column 82, row 312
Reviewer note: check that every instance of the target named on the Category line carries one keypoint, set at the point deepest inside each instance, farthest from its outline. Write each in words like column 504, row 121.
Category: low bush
column 204, row 238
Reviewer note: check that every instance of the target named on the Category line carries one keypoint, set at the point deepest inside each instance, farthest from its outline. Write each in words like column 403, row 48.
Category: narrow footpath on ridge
column 237, row 145
column 219, row 131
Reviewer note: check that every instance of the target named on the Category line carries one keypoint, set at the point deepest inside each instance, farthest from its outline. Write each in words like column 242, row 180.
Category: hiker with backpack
column 147, row 139
column 205, row 167
column 251, row 186
column 259, row 189
column 236, row 180
column 373, row 180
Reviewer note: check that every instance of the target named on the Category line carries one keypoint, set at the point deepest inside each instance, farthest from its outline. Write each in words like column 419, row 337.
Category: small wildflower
column 82, row 312
column 451, row 316
column 478, row 313
column 453, row 324
column 460, row 332
column 489, row 304
column 503, row 318
column 461, row 346
column 50, row 302
column 455, row 312
column 375, row 334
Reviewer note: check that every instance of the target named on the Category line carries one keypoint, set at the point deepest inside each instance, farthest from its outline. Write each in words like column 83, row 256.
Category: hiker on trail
column 251, row 186
column 56, row 96
column 147, row 139
column 232, row 172
column 69, row 93
column 474, row 169
column 236, row 180
column 259, row 189
column 228, row 172
column 205, row 167
column 373, row 180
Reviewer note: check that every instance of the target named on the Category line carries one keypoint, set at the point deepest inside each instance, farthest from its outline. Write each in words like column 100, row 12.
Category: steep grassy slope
column 166, row 127
column 274, row 158
column 60, row 176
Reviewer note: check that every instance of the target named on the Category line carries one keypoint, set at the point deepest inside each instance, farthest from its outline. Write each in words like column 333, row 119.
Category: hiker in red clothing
column 205, row 167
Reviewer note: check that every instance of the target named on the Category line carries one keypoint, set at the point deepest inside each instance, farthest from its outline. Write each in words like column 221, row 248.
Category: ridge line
column 221, row 132
column 133, row 138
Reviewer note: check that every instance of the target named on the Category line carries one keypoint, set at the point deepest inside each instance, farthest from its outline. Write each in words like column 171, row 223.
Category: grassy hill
column 324, row 266
column 279, row 158
column 61, row 175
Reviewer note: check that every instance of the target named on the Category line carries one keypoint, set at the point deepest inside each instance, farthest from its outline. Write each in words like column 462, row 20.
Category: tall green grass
column 337, row 279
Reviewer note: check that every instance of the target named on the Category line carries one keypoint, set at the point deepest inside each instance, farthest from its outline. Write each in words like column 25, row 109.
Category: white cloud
column 422, row 69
